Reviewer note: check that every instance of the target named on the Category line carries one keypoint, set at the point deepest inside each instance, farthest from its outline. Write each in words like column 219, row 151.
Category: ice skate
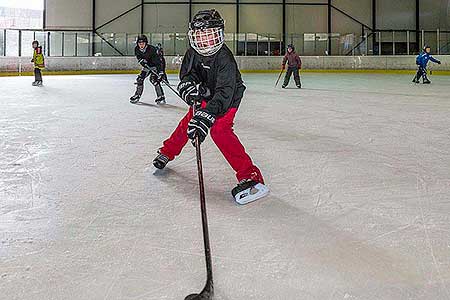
column 161, row 100
column 160, row 161
column 248, row 191
column 135, row 98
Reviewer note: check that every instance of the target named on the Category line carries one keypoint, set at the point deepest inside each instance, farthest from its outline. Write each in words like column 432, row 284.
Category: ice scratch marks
column 421, row 186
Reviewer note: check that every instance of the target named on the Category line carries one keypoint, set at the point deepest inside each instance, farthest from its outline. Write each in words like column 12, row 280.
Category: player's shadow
column 182, row 181
column 145, row 104
column 163, row 106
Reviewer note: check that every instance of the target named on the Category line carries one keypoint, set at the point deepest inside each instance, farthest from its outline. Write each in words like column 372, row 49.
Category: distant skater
column 294, row 65
column 151, row 67
column 38, row 60
column 422, row 62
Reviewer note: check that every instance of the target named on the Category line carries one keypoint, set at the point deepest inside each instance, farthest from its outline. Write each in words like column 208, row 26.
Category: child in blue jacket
column 422, row 61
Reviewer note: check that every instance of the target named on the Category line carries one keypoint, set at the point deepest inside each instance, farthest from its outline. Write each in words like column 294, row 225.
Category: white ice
column 358, row 166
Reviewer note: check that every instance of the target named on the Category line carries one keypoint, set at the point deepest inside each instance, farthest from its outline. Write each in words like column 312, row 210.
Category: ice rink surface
column 358, row 166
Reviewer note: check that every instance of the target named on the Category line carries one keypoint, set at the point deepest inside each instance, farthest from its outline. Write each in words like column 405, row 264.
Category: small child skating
column 209, row 72
column 151, row 67
column 38, row 60
column 294, row 65
column 422, row 62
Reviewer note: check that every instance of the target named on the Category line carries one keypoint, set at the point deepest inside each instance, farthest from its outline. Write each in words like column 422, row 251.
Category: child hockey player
column 294, row 64
column 38, row 60
column 422, row 61
column 151, row 63
column 209, row 66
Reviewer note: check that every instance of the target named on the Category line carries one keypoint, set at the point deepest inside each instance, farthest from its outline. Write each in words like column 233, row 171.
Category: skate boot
column 34, row 83
column 160, row 161
column 283, row 86
column 299, row 86
column 135, row 98
column 39, row 83
column 161, row 100
column 248, row 191
column 426, row 81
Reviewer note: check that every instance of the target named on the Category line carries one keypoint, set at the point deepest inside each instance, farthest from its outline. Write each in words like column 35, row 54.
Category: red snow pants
column 225, row 139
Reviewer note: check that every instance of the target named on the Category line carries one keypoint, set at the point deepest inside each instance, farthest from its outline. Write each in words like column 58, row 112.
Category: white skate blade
column 251, row 194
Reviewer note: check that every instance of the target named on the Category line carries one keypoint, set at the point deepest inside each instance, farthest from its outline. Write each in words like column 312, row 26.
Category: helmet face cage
column 206, row 41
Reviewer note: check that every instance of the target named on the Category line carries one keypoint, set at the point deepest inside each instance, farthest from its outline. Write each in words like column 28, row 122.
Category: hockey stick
column 279, row 76
column 166, row 83
column 208, row 291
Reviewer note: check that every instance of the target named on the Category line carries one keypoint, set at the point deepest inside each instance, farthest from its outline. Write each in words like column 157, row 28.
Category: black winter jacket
column 219, row 73
column 148, row 57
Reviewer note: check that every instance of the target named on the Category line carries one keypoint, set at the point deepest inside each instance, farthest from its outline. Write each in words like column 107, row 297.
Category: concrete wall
column 68, row 15
column 252, row 63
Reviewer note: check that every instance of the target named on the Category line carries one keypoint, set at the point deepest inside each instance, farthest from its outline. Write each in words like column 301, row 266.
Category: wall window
column 22, row 14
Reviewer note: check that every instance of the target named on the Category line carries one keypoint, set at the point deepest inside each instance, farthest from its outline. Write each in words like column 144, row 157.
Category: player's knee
column 139, row 81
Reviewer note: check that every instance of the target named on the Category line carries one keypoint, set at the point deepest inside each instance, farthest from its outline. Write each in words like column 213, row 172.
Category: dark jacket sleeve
column 225, row 86
column 434, row 59
column 299, row 62
column 187, row 71
column 284, row 60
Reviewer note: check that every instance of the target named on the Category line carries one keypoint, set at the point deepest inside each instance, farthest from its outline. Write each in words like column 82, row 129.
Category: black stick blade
column 198, row 297
column 206, row 294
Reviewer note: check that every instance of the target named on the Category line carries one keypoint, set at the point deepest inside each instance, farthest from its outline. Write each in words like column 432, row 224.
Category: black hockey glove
column 188, row 92
column 192, row 93
column 439, row 62
column 156, row 77
column 199, row 125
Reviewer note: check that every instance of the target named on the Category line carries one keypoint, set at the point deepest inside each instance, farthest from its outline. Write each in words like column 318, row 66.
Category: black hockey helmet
column 142, row 38
column 426, row 47
column 35, row 42
column 206, row 32
column 204, row 19
column 291, row 46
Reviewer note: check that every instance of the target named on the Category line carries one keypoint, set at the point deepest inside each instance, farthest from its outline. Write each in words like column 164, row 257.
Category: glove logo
column 205, row 115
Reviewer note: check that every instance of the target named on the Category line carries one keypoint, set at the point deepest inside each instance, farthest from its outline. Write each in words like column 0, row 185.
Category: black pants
column 287, row 77
column 421, row 72
column 37, row 74
column 163, row 64
column 140, row 83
